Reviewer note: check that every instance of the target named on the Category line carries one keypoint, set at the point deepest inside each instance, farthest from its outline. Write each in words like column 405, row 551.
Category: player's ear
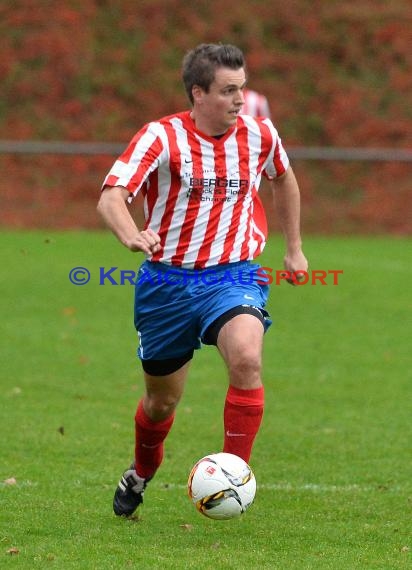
column 197, row 93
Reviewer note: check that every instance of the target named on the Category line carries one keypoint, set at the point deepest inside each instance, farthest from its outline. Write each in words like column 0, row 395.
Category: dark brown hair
column 200, row 64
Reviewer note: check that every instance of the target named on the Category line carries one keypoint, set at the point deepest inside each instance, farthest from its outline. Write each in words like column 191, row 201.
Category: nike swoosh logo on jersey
column 188, row 161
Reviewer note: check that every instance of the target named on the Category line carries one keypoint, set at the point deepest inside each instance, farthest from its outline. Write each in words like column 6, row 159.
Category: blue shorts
column 175, row 306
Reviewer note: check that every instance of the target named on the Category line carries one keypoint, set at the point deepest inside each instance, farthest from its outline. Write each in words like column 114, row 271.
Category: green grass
column 333, row 459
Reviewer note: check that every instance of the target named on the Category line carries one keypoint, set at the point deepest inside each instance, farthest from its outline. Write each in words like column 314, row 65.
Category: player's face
column 217, row 110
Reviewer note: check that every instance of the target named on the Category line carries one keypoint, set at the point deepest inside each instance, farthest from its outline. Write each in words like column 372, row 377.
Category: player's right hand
column 146, row 241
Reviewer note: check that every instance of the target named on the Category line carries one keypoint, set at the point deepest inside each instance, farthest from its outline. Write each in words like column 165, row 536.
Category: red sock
column 149, row 441
column 242, row 416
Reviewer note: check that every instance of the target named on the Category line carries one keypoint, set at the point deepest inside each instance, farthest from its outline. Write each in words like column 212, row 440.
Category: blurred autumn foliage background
column 336, row 73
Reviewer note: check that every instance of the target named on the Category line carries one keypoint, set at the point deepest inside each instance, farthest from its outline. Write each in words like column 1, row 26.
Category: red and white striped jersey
column 255, row 104
column 201, row 193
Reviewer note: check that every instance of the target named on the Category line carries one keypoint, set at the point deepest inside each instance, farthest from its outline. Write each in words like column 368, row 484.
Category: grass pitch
column 333, row 459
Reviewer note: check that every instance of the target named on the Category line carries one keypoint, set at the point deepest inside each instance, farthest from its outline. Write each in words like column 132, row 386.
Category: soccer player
column 199, row 172
column 255, row 104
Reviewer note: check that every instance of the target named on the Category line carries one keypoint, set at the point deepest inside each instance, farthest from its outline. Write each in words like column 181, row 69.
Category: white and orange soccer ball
column 221, row 486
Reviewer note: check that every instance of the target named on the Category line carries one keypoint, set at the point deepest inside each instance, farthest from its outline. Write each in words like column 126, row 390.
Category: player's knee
column 160, row 408
column 246, row 365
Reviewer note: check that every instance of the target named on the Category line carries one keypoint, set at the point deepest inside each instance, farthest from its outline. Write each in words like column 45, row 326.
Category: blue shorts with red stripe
column 175, row 306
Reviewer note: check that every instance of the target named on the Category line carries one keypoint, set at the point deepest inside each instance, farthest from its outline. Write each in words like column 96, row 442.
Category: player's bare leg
column 240, row 343
column 163, row 393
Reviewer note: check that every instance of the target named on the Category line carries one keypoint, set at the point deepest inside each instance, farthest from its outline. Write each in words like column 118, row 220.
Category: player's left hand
column 295, row 262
